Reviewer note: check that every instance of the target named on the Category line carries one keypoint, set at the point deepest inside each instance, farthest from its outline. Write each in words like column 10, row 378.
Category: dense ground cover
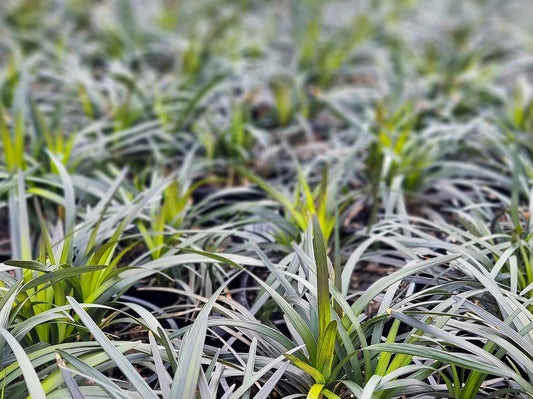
column 247, row 199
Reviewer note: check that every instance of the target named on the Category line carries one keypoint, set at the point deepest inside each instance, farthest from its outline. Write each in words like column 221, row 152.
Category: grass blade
column 31, row 378
column 72, row 387
column 185, row 380
column 120, row 360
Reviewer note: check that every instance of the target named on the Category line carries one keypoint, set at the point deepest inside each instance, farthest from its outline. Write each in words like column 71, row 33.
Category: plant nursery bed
column 245, row 199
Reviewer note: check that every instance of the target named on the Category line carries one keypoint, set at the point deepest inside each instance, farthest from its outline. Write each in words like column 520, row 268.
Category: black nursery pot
column 156, row 298
column 152, row 300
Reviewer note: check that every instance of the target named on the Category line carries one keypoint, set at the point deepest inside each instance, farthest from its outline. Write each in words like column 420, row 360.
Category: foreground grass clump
column 244, row 199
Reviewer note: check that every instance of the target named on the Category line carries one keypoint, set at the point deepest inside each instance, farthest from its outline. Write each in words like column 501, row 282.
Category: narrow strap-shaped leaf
column 162, row 374
column 6, row 303
column 7, row 142
column 330, row 395
column 337, row 261
column 370, row 387
column 310, row 204
column 87, row 368
column 297, row 321
column 70, row 207
column 353, row 387
column 322, row 277
column 247, row 384
column 326, row 349
column 317, row 375
column 19, row 140
column 28, row 264
column 72, row 387
column 31, row 378
column 45, row 233
column 271, row 383
column 449, row 337
column 250, row 365
column 118, row 358
column 171, row 353
column 315, row 391
column 467, row 361
column 384, row 358
column 203, row 387
column 185, row 380
column 382, row 284
column 58, row 275
column 275, row 194
column 20, row 214
column 323, row 196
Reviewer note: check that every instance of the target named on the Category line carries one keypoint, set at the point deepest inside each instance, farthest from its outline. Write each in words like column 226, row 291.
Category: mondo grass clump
column 241, row 199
